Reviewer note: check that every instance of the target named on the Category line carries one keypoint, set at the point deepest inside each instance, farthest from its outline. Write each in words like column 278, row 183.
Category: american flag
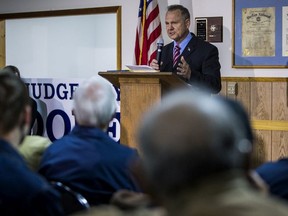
column 148, row 32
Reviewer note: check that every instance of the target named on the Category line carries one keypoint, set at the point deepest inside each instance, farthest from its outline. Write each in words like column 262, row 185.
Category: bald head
column 191, row 135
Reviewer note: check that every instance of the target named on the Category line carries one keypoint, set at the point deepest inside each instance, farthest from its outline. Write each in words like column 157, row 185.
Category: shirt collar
column 184, row 43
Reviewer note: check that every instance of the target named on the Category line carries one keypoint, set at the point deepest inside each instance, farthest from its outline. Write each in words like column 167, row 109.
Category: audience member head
column 12, row 69
column 190, row 137
column 95, row 103
column 240, row 112
column 15, row 108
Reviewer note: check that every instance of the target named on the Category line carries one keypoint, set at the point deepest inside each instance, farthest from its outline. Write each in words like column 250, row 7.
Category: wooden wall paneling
column 244, row 95
column 279, row 101
column 262, row 147
column 224, row 88
column 261, row 108
column 280, row 113
column 2, row 44
column 279, row 144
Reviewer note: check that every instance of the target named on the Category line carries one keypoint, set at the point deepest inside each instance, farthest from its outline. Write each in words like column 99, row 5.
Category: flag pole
column 142, row 24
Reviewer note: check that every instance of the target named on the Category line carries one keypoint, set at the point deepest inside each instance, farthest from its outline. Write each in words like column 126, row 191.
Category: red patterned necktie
column 176, row 54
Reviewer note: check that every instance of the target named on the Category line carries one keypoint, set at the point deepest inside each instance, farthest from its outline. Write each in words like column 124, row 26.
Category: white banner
column 54, row 106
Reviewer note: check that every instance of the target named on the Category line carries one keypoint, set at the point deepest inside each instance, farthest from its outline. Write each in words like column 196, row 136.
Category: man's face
column 177, row 28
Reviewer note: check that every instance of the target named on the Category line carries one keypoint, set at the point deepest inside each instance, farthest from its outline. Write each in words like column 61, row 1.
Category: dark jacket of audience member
column 195, row 153
column 22, row 192
column 275, row 175
column 87, row 159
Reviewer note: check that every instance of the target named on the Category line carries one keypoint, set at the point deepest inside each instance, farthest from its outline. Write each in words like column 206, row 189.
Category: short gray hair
column 94, row 102
column 189, row 136
column 184, row 11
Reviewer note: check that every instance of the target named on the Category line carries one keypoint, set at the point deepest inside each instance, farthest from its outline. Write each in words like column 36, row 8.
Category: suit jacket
column 203, row 60
column 91, row 163
column 22, row 192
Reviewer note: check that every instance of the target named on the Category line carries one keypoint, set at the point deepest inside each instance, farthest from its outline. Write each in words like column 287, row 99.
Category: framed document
column 285, row 31
column 260, row 34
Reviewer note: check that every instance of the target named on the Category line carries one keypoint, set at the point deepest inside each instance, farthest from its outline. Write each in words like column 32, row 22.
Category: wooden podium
column 138, row 92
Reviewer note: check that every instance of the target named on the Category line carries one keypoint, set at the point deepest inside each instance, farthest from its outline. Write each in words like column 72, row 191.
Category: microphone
column 160, row 44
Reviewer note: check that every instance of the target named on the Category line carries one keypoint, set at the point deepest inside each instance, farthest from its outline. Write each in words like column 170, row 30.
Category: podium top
column 165, row 77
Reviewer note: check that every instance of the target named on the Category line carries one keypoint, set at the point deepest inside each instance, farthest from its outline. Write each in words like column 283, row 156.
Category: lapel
column 190, row 48
column 170, row 50
column 168, row 58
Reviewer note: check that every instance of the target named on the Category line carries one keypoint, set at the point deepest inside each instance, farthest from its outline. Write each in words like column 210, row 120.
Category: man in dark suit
column 197, row 61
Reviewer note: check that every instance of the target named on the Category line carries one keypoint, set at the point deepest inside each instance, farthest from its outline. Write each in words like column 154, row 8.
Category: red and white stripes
column 148, row 32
